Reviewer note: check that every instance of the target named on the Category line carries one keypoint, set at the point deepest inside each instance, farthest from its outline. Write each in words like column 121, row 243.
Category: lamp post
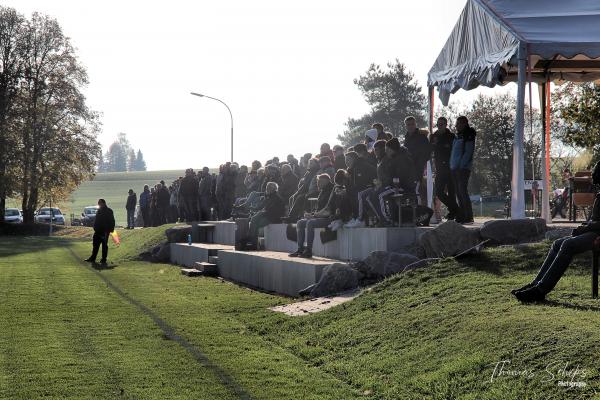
column 230, row 115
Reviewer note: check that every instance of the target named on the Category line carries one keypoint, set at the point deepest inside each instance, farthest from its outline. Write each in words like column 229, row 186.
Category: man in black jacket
column 441, row 141
column 420, row 151
column 322, row 218
column 561, row 253
column 130, row 207
column 272, row 212
column 103, row 226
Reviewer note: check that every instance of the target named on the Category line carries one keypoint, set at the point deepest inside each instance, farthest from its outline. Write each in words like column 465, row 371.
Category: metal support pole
column 544, row 104
column 517, row 209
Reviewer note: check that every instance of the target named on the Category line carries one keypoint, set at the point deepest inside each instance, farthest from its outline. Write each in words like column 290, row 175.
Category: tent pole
column 518, row 184
column 545, row 156
column 429, row 171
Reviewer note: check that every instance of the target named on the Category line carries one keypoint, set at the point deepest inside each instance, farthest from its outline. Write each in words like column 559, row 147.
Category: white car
column 13, row 215
column 44, row 214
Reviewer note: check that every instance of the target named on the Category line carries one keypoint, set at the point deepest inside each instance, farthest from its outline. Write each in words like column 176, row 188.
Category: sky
column 285, row 69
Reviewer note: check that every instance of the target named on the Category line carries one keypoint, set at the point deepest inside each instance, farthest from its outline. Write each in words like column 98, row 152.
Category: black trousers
column 460, row 177
column 97, row 240
column 445, row 191
column 559, row 257
column 146, row 216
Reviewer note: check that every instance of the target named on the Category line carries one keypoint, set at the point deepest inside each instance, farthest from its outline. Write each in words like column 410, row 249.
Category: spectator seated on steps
column 272, row 212
column 306, row 226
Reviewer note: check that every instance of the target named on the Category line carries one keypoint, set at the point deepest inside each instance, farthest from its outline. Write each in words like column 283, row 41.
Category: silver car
column 13, row 215
column 44, row 214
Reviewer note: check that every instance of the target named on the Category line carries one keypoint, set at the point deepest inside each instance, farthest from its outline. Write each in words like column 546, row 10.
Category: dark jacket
column 189, row 187
column 205, row 186
column 420, row 150
column 240, row 188
column 274, row 207
column 340, row 204
column 324, row 195
column 145, row 199
column 402, row 167
column 304, row 183
column 361, row 175
column 289, row 185
column 105, row 221
column 384, row 172
column 441, row 143
column 164, row 198
column 131, row 202
column 339, row 162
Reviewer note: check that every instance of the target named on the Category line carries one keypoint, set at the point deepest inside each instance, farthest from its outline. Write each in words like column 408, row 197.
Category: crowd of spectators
column 337, row 187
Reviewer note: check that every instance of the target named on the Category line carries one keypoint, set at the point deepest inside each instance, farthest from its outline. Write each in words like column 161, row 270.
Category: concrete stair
column 271, row 271
column 190, row 272
column 188, row 255
column 207, row 268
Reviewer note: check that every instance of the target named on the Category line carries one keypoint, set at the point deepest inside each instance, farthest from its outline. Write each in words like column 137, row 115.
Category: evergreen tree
column 140, row 164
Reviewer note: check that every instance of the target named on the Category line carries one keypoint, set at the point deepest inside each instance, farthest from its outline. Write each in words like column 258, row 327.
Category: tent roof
column 562, row 38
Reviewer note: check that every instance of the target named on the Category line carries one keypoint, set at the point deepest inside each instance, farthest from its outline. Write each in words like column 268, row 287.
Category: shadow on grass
column 572, row 306
column 15, row 245
column 100, row 267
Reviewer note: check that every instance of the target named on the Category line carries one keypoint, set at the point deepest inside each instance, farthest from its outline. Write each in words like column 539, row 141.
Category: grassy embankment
column 434, row 333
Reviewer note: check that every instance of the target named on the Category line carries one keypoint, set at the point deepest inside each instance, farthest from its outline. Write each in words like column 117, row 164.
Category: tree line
column 121, row 157
column 393, row 94
column 48, row 133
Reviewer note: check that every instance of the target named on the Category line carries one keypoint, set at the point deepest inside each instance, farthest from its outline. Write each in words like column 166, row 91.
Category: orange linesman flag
column 115, row 237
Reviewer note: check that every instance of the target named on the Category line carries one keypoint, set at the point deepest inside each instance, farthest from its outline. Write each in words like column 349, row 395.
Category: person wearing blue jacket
column 461, row 162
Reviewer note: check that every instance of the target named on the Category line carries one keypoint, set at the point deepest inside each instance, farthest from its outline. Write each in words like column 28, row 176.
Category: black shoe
column 297, row 253
column 307, row 253
column 530, row 295
column 529, row 285
column 90, row 260
column 450, row 216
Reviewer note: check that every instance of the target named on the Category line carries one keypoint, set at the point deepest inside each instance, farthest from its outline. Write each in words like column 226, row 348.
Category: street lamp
column 230, row 115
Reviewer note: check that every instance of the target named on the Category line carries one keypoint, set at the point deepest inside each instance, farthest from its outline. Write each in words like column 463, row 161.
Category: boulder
column 336, row 278
column 448, row 239
column 558, row 233
column 178, row 234
column 163, row 255
column 380, row 264
column 512, row 231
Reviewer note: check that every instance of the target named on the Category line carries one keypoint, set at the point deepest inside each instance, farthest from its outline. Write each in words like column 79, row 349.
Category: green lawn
column 144, row 331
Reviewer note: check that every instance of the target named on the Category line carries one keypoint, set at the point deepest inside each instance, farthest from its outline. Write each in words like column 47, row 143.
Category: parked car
column 44, row 214
column 89, row 215
column 13, row 215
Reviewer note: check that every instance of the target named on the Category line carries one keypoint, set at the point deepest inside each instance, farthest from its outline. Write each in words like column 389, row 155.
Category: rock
column 178, row 234
column 512, row 231
column 448, row 239
column 380, row 264
column 558, row 233
column 336, row 278
column 164, row 254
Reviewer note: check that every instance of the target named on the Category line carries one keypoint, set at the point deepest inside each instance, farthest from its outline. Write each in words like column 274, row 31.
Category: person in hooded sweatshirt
column 419, row 148
column 363, row 152
column 461, row 162
column 306, row 190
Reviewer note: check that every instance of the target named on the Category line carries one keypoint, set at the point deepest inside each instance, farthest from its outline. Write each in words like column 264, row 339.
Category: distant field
column 113, row 187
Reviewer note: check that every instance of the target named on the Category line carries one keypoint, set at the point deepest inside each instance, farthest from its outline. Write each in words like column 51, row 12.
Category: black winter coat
column 105, row 221
column 274, row 207
column 131, row 202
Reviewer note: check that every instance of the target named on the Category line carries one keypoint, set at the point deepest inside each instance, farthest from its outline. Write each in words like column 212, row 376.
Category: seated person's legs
column 300, row 231
column 311, row 225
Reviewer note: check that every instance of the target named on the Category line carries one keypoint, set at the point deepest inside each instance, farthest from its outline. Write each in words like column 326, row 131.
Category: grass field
column 143, row 331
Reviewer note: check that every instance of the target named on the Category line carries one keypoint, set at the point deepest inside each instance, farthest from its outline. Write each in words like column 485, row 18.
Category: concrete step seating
column 208, row 269
column 272, row 270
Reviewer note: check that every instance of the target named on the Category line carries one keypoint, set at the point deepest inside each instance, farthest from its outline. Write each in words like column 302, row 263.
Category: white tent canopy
column 499, row 41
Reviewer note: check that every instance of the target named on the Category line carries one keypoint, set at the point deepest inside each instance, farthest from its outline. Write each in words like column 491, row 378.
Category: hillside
column 435, row 333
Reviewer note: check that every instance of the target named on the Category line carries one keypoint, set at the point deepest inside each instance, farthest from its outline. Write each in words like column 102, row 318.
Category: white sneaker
column 335, row 225
column 354, row 223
